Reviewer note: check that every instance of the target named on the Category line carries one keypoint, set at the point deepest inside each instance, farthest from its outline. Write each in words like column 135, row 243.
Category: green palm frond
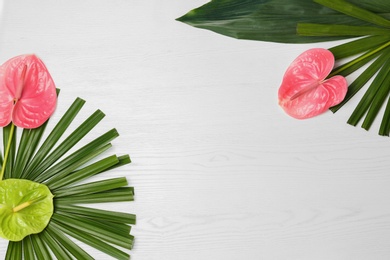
column 275, row 20
column 305, row 21
column 46, row 161
column 377, row 35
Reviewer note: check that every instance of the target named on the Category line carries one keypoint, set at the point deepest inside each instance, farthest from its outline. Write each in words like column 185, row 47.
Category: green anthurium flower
column 25, row 208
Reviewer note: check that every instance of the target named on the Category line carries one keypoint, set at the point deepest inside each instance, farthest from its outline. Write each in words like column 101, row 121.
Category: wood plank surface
column 220, row 172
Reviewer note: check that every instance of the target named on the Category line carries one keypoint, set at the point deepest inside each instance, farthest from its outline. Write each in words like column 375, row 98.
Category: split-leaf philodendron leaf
column 25, row 208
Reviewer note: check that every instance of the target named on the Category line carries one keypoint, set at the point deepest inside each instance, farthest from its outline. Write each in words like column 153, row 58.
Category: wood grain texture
column 220, row 171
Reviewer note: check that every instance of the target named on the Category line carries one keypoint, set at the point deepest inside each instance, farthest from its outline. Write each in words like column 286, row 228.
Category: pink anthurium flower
column 27, row 92
column 305, row 92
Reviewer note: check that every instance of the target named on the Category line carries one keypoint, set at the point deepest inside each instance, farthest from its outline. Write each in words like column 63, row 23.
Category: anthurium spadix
column 27, row 92
column 305, row 90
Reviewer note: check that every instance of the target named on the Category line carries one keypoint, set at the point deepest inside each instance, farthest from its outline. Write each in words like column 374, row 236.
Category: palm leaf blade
column 74, row 249
column 51, row 176
column 384, row 128
column 271, row 20
column 57, row 250
column 368, row 97
column 92, row 187
column 355, row 64
column 27, row 146
column 45, row 164
column 78, row 157
column 95, row 230
column 54, row 136
column 115, row 195
column 361, row 80
column 68, row 143
column 9, row 138
column 357, row 46
column 28, row 251
column 378, row 100
column 40, row 248
column 355, row 11
column 85, row 172
column 14, row 249
column 91, row 240
column 116, row 217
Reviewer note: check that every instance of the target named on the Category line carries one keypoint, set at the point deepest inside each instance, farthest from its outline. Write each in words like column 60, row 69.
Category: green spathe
column 25, row 208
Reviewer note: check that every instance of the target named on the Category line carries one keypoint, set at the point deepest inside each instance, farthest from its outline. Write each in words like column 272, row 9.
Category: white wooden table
column 220, row 172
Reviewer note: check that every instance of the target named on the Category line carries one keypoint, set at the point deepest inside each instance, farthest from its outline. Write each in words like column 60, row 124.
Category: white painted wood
column 220, row 171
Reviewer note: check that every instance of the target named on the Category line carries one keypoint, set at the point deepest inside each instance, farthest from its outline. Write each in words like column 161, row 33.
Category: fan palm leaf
column 44, row 161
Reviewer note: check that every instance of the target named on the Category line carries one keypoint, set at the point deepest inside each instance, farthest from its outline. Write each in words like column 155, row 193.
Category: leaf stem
column 7, row 151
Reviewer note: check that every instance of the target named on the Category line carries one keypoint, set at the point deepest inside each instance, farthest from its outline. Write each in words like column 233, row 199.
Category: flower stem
column 7, row 151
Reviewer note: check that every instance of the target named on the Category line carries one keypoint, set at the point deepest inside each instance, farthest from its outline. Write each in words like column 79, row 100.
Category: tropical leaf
column 43, row 164
column 274, row 20
column 306, row 21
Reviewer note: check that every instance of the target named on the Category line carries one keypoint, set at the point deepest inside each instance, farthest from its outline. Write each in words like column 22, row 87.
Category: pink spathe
column 27, row 92
column 305, row 92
